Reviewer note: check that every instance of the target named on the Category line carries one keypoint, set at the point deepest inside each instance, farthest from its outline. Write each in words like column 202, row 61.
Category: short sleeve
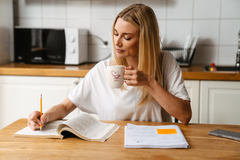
column 82, row 95
column 172, row 76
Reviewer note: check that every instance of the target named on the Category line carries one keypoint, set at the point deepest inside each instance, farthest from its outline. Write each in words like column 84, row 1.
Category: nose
column 117, row 41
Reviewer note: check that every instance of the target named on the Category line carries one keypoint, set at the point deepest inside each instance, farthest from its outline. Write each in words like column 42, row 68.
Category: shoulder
column 100, row 66
column 168, row 60
column 97, row 74
column 169, row 64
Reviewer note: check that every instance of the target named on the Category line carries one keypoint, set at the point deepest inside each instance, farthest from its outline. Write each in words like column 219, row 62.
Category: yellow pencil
column 40, row 109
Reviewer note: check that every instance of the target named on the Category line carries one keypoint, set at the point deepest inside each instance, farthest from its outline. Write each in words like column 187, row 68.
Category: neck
column 132, row 61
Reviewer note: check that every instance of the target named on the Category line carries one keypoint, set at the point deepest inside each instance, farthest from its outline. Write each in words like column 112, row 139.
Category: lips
column 119, row 50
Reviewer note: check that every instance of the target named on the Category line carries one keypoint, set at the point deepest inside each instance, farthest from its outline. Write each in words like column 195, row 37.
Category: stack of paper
column 164, row 136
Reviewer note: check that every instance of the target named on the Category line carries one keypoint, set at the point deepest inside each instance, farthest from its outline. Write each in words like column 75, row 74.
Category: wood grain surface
column 21, row 69
column 202, row 145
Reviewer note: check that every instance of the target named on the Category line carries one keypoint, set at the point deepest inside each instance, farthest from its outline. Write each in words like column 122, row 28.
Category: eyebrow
column 123, row 33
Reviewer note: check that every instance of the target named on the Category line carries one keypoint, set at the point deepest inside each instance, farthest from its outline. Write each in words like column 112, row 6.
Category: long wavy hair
column 150, row 55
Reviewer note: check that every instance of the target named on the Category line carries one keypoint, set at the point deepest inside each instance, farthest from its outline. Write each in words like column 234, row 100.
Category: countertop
column 20, row 69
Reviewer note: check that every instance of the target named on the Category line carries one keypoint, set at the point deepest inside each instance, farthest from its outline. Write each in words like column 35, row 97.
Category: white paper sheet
column 139, row 136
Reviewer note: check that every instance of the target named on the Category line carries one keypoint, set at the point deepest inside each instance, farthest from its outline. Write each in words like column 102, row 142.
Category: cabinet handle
column 75, row 82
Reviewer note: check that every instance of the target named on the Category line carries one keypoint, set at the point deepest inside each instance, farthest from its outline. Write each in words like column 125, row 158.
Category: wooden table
column 203, row 146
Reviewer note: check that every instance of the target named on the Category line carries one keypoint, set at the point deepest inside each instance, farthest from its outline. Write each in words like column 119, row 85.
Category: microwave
column 67, row 46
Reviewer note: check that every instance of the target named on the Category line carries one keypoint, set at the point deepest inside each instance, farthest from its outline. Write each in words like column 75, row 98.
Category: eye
column 128, row 39
column 115, row 34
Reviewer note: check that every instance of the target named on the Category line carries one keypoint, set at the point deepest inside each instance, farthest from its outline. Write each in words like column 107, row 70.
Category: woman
column 154, row 87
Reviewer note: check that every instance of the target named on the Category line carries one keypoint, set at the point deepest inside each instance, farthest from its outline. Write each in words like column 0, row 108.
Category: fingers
column 33, row 120
column 131, row 80
column 135, row 77
column 130, row 77
column 129, row 68
column 44, row 119
column 33, row 126
column 132, row 83
column 131, row 72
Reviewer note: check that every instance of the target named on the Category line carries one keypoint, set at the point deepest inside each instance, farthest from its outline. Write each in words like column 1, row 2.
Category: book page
column 86, row 125
column 48, row 130
column 168, row 136
column 107, row 131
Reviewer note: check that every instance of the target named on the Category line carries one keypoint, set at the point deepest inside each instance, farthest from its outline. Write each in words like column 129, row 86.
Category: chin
column 120, row 55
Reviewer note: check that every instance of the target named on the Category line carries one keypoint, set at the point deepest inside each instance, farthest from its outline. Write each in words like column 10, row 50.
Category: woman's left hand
column 136, row 77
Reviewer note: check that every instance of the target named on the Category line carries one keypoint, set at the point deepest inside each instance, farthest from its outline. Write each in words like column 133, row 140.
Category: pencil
column 40, row 109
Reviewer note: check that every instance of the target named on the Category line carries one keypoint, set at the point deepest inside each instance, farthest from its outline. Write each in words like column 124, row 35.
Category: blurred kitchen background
column 216, row 21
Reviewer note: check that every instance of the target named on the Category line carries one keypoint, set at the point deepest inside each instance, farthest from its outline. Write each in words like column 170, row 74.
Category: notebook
column 164, row 136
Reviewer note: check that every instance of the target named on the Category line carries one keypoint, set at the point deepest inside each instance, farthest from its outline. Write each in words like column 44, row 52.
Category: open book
column 164, row 136
column 83, row 125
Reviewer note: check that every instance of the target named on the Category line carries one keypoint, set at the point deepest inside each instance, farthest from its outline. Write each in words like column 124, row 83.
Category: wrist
column 150, row 83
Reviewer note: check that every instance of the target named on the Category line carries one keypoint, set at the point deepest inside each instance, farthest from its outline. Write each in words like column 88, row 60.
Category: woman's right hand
column 34, row 122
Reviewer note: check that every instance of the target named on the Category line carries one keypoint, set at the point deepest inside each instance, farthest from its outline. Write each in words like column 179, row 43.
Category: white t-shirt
column 93, row 94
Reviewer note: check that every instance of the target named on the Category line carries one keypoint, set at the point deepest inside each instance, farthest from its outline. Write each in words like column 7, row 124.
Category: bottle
column 238, row 59
column 213, row 67
column 239, row 41
column 238, row 52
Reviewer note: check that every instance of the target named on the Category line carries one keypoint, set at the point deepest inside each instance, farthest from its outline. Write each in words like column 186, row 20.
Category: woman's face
column 126, row 39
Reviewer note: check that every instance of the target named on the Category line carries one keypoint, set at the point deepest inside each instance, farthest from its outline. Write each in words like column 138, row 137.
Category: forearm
column 60, row 111
column 175, row 106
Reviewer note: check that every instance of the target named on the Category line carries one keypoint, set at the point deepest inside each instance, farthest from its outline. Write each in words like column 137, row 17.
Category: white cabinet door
column 19, row 95
column 192, row 87
column 220, row 102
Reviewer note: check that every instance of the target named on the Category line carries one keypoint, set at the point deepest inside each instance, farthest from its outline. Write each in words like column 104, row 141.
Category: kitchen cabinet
column 220, row 102
column 192, row 87
column 214, row 102
column 19, row 95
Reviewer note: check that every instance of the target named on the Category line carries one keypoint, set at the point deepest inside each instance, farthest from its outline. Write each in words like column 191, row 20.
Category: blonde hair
column 149, row 61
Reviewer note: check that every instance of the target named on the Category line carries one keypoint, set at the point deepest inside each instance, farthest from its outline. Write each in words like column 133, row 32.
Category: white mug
column 115, row 76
